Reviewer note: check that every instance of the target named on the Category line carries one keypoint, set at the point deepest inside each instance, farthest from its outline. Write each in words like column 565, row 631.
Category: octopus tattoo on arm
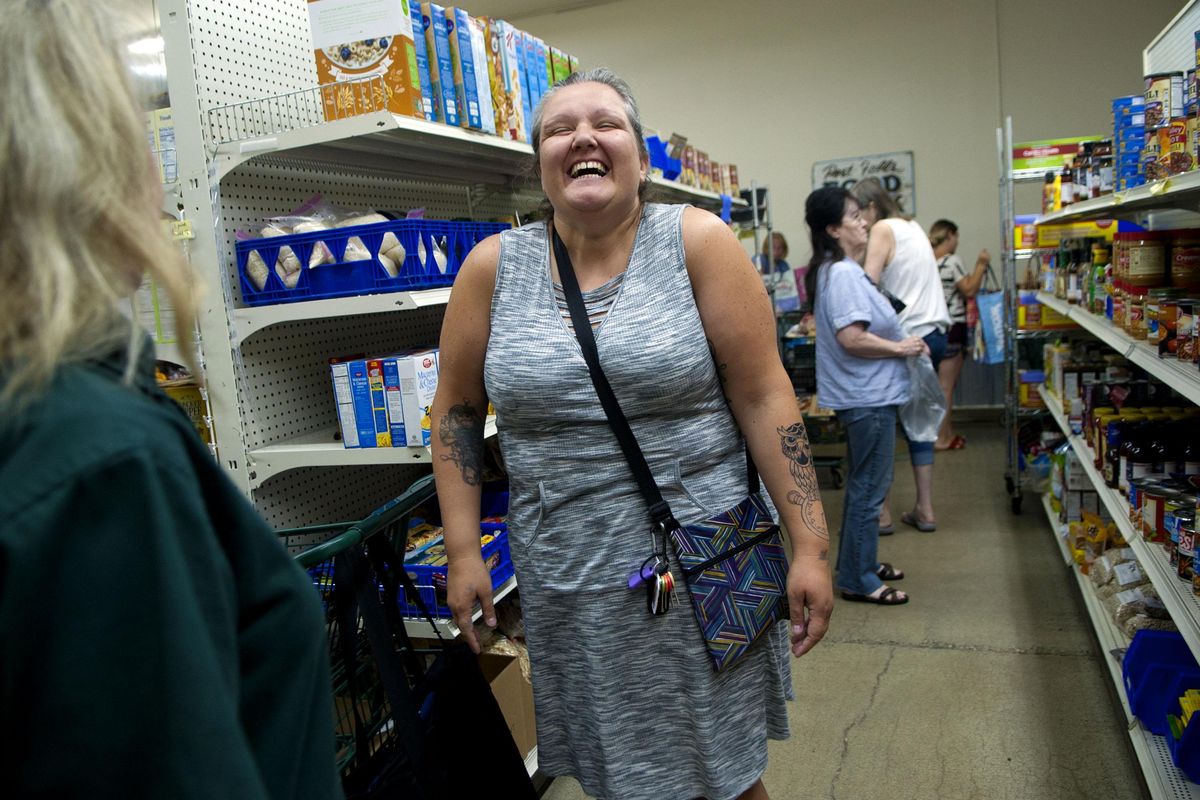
column 461, row 432
column 807, row 496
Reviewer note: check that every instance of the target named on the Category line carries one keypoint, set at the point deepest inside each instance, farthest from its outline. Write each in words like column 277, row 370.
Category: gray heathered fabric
column 627, row 703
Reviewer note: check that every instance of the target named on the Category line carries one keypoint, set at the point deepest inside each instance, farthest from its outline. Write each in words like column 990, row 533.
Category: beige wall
column 775, row 86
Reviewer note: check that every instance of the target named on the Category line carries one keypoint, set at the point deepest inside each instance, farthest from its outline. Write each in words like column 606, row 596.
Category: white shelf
column 249, row 320
column 1163, row 778
column 1176, row 595
column 1034, row 174
column 1183, row 378
column 386, row 142
column 419, row 628
column 1178, row 191
column 323, row 449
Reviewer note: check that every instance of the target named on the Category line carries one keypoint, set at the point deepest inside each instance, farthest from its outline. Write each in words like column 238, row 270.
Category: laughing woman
column 627, row 702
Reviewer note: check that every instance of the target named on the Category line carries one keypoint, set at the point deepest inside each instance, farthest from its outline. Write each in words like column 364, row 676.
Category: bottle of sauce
column 1066, row 188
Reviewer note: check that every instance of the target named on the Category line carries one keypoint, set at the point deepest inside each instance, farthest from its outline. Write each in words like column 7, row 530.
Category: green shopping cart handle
column 413, row 496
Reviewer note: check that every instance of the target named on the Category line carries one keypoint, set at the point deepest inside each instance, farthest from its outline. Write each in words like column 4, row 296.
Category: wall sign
column 894, row 170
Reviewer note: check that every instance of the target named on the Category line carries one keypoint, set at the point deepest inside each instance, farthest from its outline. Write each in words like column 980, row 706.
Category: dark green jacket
column 155, row 639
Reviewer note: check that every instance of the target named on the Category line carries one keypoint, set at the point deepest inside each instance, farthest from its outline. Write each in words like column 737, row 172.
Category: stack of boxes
column 1129, row 137
column 384, row 401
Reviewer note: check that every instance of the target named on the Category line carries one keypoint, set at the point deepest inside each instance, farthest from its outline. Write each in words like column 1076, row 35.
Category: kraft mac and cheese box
column 393, row 400
column 441, row 65
column 483, row 80
column 466, row 89
column 352, row 392
column 356, row 39
column 379, row 417
column 418, row 384
column 430, row 103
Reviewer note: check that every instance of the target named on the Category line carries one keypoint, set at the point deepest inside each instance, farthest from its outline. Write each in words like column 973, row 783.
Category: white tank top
column 912, row 275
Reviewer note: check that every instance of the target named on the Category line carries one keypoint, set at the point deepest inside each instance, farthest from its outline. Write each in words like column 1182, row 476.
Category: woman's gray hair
column 605, row 76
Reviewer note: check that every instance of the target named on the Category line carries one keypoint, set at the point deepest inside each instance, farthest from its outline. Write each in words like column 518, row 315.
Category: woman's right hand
column 467, row 582
column 912, row 346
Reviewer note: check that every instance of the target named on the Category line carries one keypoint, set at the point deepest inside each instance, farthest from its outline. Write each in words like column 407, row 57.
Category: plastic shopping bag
column 991, row 327
column 922, row 415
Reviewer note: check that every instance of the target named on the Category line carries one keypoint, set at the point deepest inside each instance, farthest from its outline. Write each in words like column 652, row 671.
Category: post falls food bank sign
column 894, row 171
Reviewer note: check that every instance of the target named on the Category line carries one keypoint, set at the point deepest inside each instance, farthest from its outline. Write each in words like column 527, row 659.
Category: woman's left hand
column 810, row 600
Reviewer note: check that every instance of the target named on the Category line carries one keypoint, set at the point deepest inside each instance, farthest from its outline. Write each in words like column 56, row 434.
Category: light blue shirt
column 845, row 295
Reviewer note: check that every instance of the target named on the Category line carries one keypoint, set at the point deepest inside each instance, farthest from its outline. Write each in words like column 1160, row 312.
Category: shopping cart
column 364, row 726
column 826, row 436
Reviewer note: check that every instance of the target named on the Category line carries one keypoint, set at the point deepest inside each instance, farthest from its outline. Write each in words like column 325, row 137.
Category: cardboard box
column 462, row 61
column 393, row 400
column 352, row 394
column 687, row 174
column 441, row 65
column 509, row 45
column 163, row 123
column 703, row 171
column 560, row 64
column 418, row 383
column 735, row 188
column 573, row 63
column 546, row 76
column 532, row 80
column 430, row 103
column 358, row 39
column 726, row 183
column 514, row 695
column 1075, row 479
column 483, row 80
column 378, row 399
column 515, row 51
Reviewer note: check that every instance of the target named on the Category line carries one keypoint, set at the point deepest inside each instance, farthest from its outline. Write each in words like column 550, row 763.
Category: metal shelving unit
column 1163, row 779
column 1008, row 266
column 1183, row 378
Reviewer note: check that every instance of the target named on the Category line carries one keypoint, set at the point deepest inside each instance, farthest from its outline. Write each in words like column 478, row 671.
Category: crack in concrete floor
column 857, row 721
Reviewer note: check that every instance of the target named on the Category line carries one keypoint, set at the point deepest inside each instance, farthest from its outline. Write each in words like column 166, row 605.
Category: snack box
column 355, row 39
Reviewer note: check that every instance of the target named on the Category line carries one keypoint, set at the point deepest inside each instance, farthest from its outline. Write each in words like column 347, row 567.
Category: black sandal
column 888, row 597
column 887, row 572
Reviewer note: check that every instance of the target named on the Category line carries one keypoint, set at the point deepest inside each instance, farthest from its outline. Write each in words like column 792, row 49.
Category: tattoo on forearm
column 461, row 432
column 806, row 495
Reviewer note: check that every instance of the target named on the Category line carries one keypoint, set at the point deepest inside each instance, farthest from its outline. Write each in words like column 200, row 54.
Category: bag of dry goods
column 1126, row 575
column 1102, row 568
column 1142, row 622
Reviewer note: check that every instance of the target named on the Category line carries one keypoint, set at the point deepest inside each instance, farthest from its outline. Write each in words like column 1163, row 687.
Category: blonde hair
column 79, row 197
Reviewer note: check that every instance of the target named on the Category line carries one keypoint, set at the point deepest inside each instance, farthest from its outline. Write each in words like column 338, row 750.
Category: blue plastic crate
column 1150, row 665
column 350, row 278
column 1185, row 751
column 431, row 580
column 671, row 167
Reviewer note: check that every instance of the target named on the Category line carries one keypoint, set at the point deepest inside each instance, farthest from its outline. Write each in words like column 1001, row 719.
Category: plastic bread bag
column 314, row 214
column 391, row 252
column 922, row 415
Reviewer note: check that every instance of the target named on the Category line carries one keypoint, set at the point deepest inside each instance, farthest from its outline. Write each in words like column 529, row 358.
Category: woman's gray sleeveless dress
column 626, row 702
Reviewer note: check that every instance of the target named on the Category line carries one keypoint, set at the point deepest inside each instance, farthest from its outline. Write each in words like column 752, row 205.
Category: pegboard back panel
column 321, row 495
column 1174, row 50
column 287, row 390
column 249, row 49
column 262, row 189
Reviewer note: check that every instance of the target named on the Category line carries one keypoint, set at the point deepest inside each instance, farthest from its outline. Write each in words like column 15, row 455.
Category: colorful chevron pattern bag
column 733, row 563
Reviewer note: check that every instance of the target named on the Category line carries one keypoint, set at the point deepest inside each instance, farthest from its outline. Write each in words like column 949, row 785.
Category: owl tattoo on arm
column 807, row 496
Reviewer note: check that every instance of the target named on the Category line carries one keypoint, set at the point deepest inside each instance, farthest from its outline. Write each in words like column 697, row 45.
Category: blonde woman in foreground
column 158, row 641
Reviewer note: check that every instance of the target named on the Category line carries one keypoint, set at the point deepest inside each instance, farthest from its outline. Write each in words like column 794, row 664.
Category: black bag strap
column 660, row 512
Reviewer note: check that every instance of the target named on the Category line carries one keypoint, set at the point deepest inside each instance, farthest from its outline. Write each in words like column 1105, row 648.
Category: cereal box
column 703, row 171
column 462, row 59
column 361, row 38
column 543, row 61
column 560, row 64
column 534, row 79
column 516, row 105
column 430, row 103
column 573, row 63
column 687, row 174
column 735, row 188
column 352, row 394
column 441, row 65
column 479, row 52
column 726, row 184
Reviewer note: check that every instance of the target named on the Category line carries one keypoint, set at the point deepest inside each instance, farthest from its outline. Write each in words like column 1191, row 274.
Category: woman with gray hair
column 158, row 640
column 627, row 702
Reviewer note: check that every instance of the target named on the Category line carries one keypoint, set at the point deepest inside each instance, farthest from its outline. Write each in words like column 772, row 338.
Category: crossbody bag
column 733, row 563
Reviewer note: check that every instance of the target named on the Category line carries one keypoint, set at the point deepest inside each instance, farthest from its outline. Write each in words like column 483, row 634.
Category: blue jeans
column 870, row 448
column 921, row 453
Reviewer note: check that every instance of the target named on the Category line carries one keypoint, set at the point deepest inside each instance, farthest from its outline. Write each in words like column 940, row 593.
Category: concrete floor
column 987, row 685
